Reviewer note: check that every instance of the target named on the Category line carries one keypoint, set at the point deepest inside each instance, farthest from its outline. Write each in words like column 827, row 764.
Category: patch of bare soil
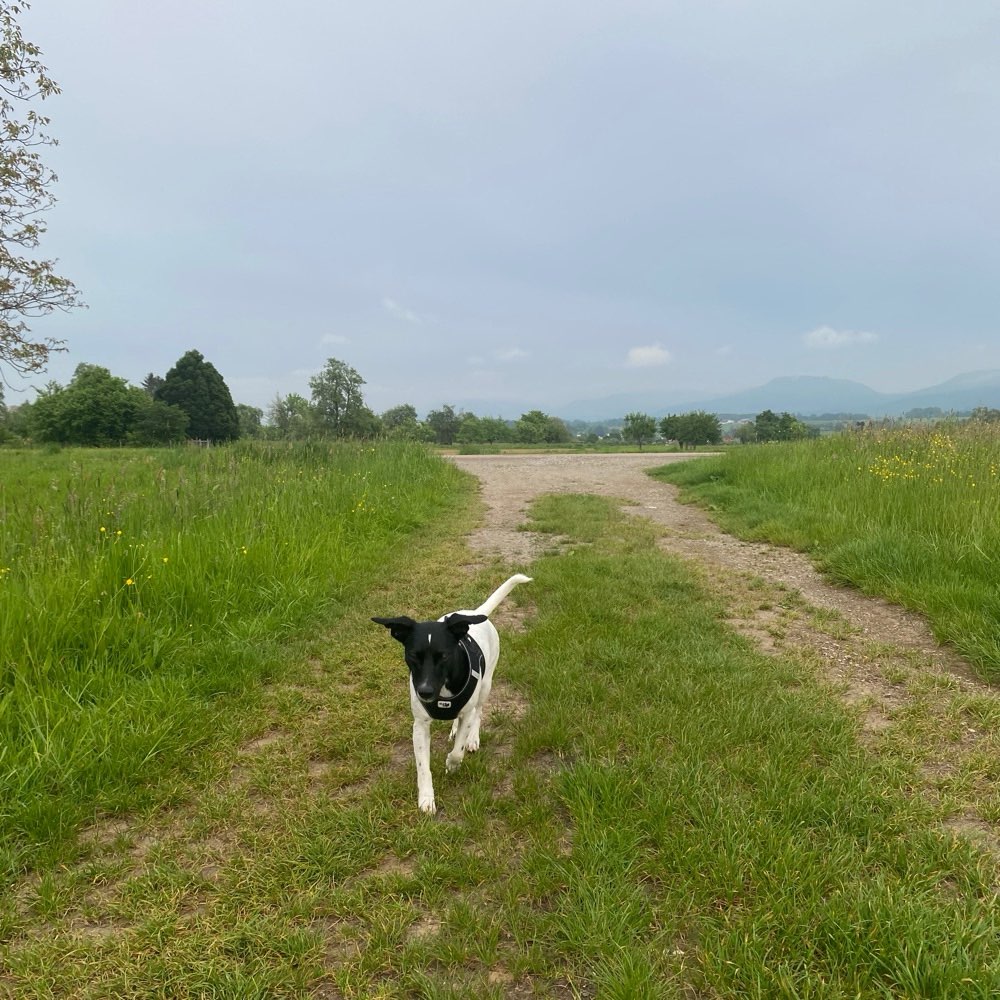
column 911, row 695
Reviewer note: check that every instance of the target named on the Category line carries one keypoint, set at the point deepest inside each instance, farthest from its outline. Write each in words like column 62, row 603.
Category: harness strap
column 447, row 709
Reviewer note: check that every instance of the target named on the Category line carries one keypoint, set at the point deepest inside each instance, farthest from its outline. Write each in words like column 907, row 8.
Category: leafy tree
column 639, row 428
column 495, row 429
column 400, row 418
column 338, row 403
column 536, row 427
column 156, row 422
column 401, row 422
column 28, row 287
column 768, row 426
column 692, row 429
column 985, row 415
column 557, row 432
column 469, row 430
column 530, row 427
column 290, row 417
column 445, row 424
column 364, row 423
column 670, row 427
column 18, row 420
column 250, row 418
column 151, row 384
column 699, row 427
column 96, row 408
column 196, row 386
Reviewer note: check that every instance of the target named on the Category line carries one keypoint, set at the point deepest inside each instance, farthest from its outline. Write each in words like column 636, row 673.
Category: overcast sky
column 526, row 203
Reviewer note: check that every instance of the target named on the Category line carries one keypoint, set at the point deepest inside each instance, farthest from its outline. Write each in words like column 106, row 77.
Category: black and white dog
column 451, row 663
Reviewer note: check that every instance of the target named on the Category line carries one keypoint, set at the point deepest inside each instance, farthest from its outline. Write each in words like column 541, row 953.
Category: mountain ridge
column 801, row 395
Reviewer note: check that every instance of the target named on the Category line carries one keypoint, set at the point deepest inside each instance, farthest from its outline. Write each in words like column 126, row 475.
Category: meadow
column 910, row 513
column 658, row 812
column 143, row 592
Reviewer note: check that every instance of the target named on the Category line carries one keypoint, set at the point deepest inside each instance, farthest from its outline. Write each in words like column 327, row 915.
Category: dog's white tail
column 491, row 602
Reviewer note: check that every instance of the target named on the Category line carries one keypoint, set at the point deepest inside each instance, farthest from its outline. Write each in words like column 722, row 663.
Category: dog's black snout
column 425, row 691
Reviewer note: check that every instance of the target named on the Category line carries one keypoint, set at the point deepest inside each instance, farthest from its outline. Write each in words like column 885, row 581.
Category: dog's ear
column 458, row 625
column 400, row 628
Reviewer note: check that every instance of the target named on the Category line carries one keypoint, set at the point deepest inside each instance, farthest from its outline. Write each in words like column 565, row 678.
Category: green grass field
column 141, row 590
column 658, row 810
column 910, row 514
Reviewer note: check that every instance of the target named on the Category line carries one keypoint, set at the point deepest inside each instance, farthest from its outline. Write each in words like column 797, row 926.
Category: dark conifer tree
column 196, row 386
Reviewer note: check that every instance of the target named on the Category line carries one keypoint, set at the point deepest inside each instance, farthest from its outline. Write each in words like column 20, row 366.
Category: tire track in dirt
column 913, row 698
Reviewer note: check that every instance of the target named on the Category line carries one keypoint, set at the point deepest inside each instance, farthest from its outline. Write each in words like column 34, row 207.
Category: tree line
column 98, row 408
column 192, row 401
column 696, row 428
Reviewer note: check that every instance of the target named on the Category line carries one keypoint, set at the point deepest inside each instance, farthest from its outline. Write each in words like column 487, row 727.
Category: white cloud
column 647, row 357
column 826, row 338
column 511, row 354
column 392, row 307
column 329, row 339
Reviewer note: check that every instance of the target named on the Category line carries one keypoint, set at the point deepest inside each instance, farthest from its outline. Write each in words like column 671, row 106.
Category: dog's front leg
column 422, row 756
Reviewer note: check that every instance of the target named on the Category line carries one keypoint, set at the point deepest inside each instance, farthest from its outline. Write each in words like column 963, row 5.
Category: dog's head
column 432, row 652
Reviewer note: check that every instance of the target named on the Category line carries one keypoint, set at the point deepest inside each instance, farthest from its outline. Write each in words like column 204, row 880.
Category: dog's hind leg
column 472, row 741
column 465, row 724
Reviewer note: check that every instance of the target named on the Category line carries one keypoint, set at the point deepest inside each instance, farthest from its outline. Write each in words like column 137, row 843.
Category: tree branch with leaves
column 29, row 287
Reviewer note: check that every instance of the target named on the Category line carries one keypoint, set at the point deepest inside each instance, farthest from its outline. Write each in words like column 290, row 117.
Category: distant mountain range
column 804, row 396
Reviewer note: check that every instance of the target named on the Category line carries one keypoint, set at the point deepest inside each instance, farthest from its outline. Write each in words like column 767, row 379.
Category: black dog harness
column 448, row 708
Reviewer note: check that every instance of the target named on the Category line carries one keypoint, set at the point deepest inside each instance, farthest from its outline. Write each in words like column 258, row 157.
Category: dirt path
column 912, row 695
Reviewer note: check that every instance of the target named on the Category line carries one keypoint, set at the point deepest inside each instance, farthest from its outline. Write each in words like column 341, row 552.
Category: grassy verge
column 912, row 515
column 142, row 591
column 657, row 812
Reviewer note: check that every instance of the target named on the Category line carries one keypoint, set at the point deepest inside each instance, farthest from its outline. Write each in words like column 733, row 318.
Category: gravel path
column 863, row 645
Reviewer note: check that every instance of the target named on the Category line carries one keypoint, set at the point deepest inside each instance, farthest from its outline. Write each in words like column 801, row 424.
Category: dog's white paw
column 472, row 744
column 452, row 762
column 426, row 804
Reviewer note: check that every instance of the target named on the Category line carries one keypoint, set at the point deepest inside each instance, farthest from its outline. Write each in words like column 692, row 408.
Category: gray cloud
column 569, row 180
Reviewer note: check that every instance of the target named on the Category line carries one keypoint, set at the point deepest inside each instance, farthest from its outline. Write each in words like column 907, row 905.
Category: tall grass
column 729, row 836
column 137, row 588
column 912, row 514
column 662, row 813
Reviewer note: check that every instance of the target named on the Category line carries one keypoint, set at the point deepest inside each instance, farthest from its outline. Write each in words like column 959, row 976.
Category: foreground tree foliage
column 196, row 386
column 29, row 288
